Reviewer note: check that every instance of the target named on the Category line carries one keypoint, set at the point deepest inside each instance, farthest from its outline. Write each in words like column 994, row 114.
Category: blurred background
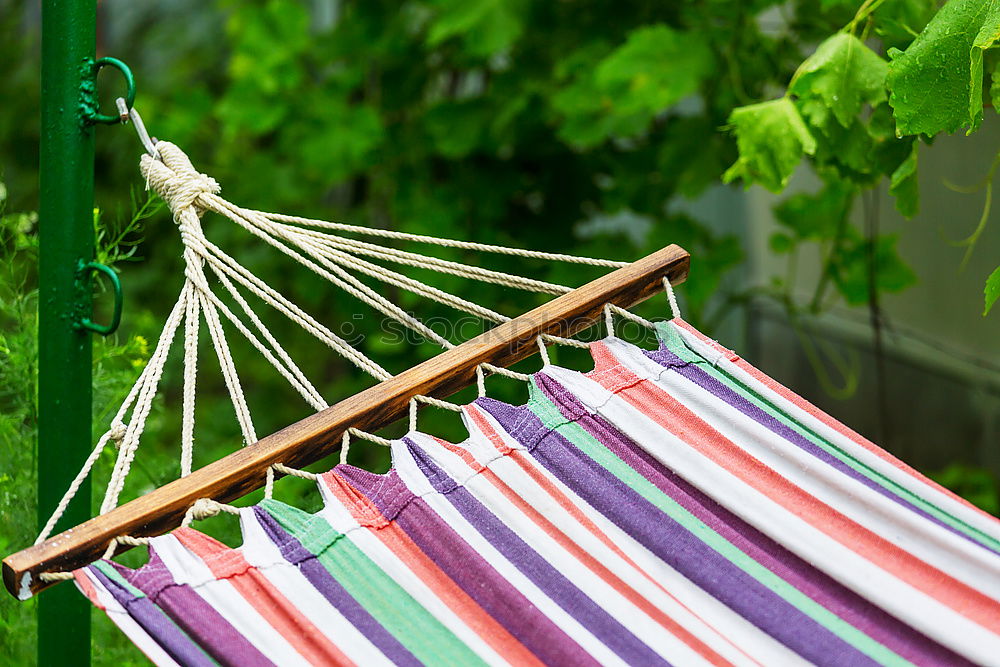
column 580, row 126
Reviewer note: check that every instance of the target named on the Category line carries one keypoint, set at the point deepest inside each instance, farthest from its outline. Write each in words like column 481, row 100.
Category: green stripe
column 111, row 573
column 576, row 434
column 409, row 621
column 676, row 344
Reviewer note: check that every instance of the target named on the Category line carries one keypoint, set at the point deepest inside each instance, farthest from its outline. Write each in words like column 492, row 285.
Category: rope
column 675, row 310
column 448, row 243
column 189, row 194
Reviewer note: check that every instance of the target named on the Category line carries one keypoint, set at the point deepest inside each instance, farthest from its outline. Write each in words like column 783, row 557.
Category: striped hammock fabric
column 674, row 506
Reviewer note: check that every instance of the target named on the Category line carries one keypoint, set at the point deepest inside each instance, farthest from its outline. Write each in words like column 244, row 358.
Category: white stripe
column 605, row 596
column 722, row 621
column 187, row 568
column 135, row 632
column 408, row 580
column 928, row 541
column 410, row 473
column 915, row 485
column 263, row 554
column 914, row 607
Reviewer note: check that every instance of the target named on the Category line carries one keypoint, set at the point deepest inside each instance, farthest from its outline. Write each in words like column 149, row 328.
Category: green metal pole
column 66, row 240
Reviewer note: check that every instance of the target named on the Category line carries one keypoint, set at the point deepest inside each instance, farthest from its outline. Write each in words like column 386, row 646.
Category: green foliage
column 903, row 184
column 937, row 82
column 977, row 485
column 116, row 363
column 772, row 139
column 835, row 116
column 619, row 94
column 571, row 127
column 845, row 74
column 992, row 290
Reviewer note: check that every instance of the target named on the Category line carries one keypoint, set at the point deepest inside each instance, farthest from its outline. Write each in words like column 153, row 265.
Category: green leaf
column 897, row 22
column 992, row 290
column 655, row 68
column 621, row 93
column 772, row 138
column 484, row 26
column 848, row 149
column 937, row 83
column 995, row 86
column 903, row 184
column 845, row 74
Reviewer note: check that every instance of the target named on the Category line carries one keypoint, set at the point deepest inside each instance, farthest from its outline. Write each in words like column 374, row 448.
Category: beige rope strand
column 328, row 271
column 391, row 277
column 229, row 373
column 449, row 243
column 222, row 262
column 433, row 263
column 191, row 324
column 285, row 367
column 144, row 402
column 675, row 310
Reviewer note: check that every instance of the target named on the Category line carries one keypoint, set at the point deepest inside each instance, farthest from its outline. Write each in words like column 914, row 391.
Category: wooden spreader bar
column 320, row 434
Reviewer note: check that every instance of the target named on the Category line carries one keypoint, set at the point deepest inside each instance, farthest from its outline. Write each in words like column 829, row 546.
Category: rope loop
column 176, row 180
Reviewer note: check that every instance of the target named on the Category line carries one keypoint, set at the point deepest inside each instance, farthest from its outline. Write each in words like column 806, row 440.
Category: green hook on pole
column 116, row 286
column 92, row 113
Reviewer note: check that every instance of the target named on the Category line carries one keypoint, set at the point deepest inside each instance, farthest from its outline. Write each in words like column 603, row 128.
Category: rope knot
column 117, row 433
column 176, row 180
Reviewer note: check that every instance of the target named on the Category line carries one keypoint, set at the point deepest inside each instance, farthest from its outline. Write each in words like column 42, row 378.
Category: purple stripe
column 324, row 582
column 819, row 586
column 466, row 567
column 671, row 541
column 156, row 624
column 193, row 614
column 692, row 372
column 544, row 575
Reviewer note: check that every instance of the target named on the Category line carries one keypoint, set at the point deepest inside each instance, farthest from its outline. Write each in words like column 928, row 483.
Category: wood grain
column 320, row 434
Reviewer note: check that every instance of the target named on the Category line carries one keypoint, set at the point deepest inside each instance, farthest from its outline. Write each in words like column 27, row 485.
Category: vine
column 857, row 110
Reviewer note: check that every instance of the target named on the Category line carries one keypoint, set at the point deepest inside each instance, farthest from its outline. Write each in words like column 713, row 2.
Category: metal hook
column 130, row 113
column 89, row 93
column 116, row 286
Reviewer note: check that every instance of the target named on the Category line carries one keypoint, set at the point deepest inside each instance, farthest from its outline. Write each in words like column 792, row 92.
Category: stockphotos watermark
column 391, row 332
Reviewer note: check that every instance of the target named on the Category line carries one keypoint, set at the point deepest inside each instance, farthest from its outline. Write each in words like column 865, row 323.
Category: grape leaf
column 849, row 149
column 771, row 138
column 992, row 290
column 936, row 85
column 903, row 184
column 845, row 74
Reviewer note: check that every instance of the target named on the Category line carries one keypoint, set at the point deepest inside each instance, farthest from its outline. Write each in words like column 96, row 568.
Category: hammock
column 671, row 506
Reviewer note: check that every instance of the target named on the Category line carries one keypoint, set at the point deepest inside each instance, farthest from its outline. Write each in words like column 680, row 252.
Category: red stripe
column 826, row 419
column 229, row 564
column 425, row 569
column 656, row 404
column 87, row 588
column 572, row 547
